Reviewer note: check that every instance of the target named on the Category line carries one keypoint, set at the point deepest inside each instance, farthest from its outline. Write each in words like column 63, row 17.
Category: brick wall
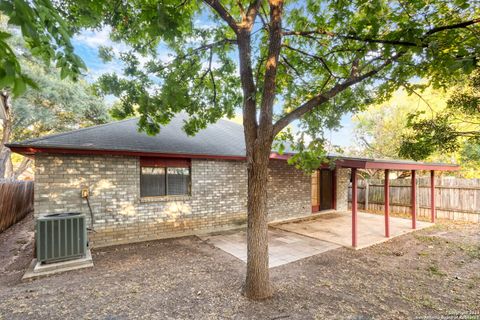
column 289, row 191
column 217, row 202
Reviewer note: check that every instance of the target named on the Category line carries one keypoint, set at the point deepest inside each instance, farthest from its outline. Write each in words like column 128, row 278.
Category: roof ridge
column 231, row 121
column 60, row 134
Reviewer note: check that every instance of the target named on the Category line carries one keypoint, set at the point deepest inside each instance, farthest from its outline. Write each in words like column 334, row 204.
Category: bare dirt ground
column 432, row 272
column 16, row 250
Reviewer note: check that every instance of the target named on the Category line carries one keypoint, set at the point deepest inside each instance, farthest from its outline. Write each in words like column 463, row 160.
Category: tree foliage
column 47, row 36
column 55, row 106
column 455, row 128
column 380, row 130
column 383, row 45
column 58, row 106
column 306, row 61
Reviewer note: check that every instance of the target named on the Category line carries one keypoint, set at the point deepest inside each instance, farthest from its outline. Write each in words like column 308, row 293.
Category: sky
column 88, row 42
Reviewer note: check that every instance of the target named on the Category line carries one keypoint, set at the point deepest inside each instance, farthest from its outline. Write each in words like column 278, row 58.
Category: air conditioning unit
column 61, row 237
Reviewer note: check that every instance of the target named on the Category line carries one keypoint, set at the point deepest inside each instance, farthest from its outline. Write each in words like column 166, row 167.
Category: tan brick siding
column 217, row 202
column 289, row 191
column 343, row 181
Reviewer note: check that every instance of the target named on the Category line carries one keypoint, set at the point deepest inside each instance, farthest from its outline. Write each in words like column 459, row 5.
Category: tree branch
column 212, row 77
column 6, row 131
column 324, row 97
column 252, row 11
column 411, row 90
column 248, row 86
column 271, row 67
column 22, row 167
column 385, row 41
column 350, row 37
column 181, row 4
column 223, row 13
column 322, row 61
column 208, row 46
column 241, row 8
column 459, row 25
column 288, row 64
column 263, row 20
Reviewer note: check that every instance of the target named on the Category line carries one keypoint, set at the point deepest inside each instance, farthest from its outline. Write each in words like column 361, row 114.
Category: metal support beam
column 387, row 203
column 354, row 208
column 432, row 194
column 414, row 199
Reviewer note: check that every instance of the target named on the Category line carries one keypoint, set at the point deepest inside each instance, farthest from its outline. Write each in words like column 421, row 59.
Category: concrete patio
column 284, row 247
column 336, row 227
column 301, row 238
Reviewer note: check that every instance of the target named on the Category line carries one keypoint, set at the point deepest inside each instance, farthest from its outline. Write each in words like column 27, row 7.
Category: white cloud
column 97, row 38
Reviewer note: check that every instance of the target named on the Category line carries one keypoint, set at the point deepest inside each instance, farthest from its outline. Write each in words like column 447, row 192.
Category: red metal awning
column 393, row 164
column 368, row 163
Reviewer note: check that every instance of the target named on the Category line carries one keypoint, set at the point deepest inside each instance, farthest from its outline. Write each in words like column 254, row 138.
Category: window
column 178, row 181
column 155, row 181
column 152, row 182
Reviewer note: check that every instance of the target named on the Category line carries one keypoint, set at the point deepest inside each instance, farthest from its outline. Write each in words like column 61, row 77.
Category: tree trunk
column 5, row 160
column 4, row 156
column 22, row 167
column 257, row 284
column 6, row 165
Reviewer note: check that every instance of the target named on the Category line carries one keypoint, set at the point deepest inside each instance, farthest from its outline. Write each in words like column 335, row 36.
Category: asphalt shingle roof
column 224, row 138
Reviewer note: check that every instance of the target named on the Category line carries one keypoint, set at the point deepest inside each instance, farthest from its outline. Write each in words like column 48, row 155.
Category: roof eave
column 340, row 162
column 392, row 165
column 32, row 150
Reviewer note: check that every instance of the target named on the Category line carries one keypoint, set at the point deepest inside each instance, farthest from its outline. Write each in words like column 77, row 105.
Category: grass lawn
column 431, row 272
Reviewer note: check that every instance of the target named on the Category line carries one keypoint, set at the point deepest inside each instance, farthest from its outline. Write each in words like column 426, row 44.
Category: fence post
column 432, row 195
column 414, row 199
column 386, row 202
column 366, row 195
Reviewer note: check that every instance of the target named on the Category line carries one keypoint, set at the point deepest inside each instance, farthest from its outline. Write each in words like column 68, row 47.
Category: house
column 144, row 187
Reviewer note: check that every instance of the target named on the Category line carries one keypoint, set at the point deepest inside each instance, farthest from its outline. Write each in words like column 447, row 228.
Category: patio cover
column 364, row 163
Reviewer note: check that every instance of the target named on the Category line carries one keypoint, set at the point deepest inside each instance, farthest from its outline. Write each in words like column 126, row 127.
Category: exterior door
column 322, row 190
column 326, row 189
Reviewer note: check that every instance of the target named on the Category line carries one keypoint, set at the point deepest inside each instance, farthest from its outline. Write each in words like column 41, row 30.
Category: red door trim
column 316, row 208
column 333, row 181
column 334, row 189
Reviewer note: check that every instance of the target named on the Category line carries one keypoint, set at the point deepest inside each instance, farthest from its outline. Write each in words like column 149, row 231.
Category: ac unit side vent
column 61, row 237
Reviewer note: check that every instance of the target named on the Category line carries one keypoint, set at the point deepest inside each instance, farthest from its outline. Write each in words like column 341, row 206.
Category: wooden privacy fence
column 456, row 199
column 16, row 201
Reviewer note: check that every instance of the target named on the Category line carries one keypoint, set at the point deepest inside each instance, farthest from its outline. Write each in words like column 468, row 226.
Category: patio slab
column 336, row 227
column 284, row 247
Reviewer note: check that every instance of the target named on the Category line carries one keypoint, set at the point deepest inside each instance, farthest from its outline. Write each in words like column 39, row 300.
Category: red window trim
column 164, row 162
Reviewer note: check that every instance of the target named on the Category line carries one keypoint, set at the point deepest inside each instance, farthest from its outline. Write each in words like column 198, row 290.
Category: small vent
column 61, row 237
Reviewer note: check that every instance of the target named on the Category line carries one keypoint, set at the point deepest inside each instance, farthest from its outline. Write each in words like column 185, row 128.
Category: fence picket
column 16, row 201
column 456, row 198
